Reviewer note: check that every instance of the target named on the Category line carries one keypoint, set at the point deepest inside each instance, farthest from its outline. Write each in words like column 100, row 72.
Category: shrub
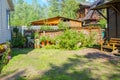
column 68, row 39
column 45, row 28
column 87, row 40
column 18, row 41
column 71, row 40
column 102, row 23
column 63, row 25
column 4, row 58
column 15, row 30
column 42, row 38
column 36, row 35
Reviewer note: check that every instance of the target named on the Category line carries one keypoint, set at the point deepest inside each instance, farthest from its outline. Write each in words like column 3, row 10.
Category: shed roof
column 106, row 4
column 52, row 21
column 10, row 5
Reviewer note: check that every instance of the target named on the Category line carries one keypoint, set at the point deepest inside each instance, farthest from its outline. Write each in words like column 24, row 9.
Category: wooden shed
column 54, row 21
column 113, row 17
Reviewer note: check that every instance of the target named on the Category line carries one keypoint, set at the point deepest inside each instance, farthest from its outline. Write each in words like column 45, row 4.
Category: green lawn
column 52, row 64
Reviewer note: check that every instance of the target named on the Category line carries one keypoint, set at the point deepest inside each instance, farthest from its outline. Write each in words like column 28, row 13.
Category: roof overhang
column 10, row 3
column 107, row 4
column 52, row 21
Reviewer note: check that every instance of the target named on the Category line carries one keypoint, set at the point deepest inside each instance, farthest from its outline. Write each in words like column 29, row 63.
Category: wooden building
column 113, row 17
column 56, row 20
column 88, row 16
column 83, row 10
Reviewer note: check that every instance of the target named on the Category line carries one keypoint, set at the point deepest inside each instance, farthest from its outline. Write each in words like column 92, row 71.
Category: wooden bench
column 113, row 44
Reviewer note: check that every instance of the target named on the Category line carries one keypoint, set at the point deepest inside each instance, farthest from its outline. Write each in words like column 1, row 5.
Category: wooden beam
column 115, row 8
column 101, row 14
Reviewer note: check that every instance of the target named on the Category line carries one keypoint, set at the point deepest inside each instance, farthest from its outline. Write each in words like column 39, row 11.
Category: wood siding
column 113, row 24
column 5, row 33
column 75, row 24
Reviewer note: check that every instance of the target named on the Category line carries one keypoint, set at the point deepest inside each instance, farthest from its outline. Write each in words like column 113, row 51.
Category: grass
column 54, row 64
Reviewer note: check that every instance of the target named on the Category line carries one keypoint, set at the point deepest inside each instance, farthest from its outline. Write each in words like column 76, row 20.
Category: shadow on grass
column 110, row 58
column 63, row 73
column 68, row 72
column 18, row 51
column 15, row 75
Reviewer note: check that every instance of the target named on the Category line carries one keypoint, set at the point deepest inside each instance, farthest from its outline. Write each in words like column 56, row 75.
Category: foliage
column 45, row 28
column 87, row 40
column 18, row 41
column 63, row 25
column 32, row 36
column 24, row 13
column 42, row 38
column 2, row 49
column 36, row 35
column 71, row 39
column 4, row 58
column 103, row 23
column 65, row 8
column 68, row 39
column 15, row 30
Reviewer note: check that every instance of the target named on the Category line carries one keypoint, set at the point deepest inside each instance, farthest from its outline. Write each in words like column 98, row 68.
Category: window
column 7, row 18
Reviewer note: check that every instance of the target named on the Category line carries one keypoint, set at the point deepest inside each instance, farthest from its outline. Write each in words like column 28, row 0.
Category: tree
column 54, row 9
column 25, row 13
column 65, row 8
column 69, row 8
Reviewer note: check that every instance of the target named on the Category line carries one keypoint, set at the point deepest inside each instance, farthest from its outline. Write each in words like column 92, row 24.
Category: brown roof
column 10, row 5
column 87, row 4
column 107, row 4
column 52, row 21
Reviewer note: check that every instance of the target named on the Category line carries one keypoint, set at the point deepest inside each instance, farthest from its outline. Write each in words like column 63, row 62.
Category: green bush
column 63, row 25
column 4, row 58
column 103, row 23
column 18, row 41
column 87, row 40
column 36, row 35
column 46, row 28
column 71, row 40
column 68, row 39
column 15, row 30
column 42, row 38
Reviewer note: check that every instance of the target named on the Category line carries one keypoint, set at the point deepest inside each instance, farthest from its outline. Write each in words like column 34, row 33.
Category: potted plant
column 47, row 40
column 42, row 40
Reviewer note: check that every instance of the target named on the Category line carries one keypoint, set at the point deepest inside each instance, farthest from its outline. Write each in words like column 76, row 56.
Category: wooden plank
column 101, row 14
column 115, row 9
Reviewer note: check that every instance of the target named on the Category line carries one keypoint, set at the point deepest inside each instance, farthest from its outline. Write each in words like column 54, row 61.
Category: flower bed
column 4, row 54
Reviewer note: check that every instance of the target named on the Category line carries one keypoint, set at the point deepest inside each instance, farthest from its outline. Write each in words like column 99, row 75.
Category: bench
column 113, row 44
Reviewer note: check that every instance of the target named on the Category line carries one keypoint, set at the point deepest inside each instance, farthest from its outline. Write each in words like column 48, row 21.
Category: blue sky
column 44, row 1
column 40, row 1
